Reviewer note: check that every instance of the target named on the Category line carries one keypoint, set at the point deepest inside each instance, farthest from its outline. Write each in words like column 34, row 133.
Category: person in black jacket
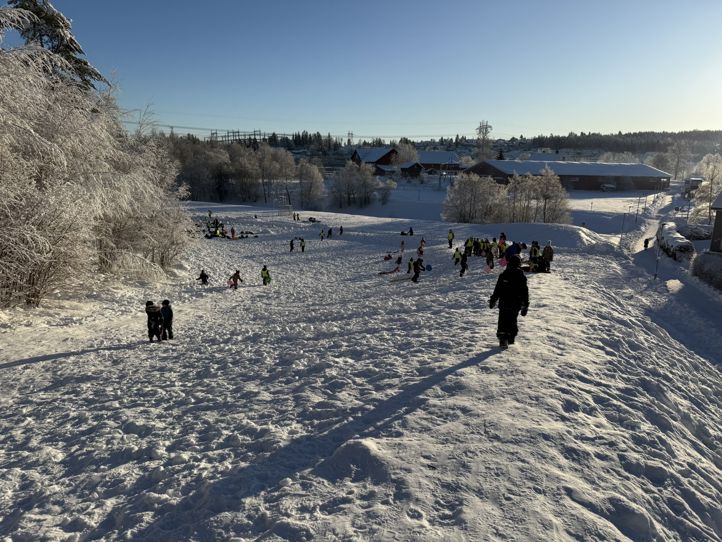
column 418, row 268
column 203, row 277
column 512, row 294
column 155, row 320
column 464, row 264
column 167, row 313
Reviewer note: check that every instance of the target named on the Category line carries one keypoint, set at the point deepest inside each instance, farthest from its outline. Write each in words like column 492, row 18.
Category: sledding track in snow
column 337, row 404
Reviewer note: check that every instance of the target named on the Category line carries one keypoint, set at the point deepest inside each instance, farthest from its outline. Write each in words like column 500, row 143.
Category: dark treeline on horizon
column 697, row 141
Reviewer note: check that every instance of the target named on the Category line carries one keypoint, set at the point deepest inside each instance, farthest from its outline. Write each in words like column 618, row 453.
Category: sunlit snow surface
column 340, row 404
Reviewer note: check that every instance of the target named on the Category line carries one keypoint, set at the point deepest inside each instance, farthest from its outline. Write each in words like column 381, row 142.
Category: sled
column 428, row 267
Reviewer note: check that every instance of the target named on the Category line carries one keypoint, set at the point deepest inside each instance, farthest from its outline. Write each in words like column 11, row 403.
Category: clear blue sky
column 415, row 68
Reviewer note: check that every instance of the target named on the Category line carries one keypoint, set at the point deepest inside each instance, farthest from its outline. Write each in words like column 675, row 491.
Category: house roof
column 438, row 157
column 544, row 156
column 389, row 169
column 581, row 169
column 717, row 204
column 372, row 154
column 407, row 165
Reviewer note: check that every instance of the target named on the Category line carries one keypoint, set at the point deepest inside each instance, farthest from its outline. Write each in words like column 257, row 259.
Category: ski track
column 337, row 404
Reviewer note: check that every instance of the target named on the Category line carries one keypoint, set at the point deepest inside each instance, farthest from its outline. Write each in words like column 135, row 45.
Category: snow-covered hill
column 340, row 404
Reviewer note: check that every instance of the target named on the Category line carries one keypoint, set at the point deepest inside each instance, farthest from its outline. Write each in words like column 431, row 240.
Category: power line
column 339, row 136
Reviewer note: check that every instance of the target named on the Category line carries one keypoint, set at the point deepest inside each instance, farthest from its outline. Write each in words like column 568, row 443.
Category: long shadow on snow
column 61, row 355
column 300, row 454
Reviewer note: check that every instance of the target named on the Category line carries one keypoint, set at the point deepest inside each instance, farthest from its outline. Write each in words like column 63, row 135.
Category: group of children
column 301, row 243
column 160, row 320
column 510, row 290
column 323, row 234
column 501, row 251
column 235, row 278
column 216, row 228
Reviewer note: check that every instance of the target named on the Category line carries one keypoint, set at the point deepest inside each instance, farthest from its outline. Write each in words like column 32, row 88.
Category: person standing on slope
column 155, row 320
column 456, row 256
column 464, row 264
column 548, row 256
column 418, row 268
column 266, row 276
column 512, row 293
column 203, row 277
column 450, row 237
column 235, row 278
column 167, row 313
column 490, row 257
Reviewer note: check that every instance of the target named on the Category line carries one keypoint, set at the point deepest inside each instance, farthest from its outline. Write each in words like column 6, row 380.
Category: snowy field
column 340, row 404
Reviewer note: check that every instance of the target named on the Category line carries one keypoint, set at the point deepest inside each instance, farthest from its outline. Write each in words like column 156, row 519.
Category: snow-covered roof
column 438, row 157
column 372, row 154
column 407, row 165
column 717, row 204
column 581, row 169
column 386, row 168
column 542, row 156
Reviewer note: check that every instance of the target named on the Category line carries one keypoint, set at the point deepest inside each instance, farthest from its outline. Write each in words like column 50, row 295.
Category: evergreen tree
column 50, row 29
column 500, row 156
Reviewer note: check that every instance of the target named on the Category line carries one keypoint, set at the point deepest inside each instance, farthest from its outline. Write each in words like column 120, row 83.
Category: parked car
column 607, row 187
column 672, row 242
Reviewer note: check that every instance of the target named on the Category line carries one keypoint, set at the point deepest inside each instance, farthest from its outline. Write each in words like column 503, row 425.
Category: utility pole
column 639, row 199
column 622, row 234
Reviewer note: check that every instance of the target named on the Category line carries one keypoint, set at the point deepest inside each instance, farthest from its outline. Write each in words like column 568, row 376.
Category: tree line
column 697, row 142
column 270, row 175
column 527, row 198
column 237, row 172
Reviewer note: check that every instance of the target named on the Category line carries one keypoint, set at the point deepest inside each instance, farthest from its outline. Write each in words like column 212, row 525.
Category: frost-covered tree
column 353, row 185
column 367, row 185
column 77, row 193
column 245, row 173
column 618, row 158
column 385, row 190
column 679, row 155
column 661, row 161
column 521, row 194
column 466, row 161
column 277, row 168
column 406, row 152
column 554, row 201
column 473, row 199
column 527, row 198
column 537, row 198
column 710, row 167
column 310, row 184
column 205, row 171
